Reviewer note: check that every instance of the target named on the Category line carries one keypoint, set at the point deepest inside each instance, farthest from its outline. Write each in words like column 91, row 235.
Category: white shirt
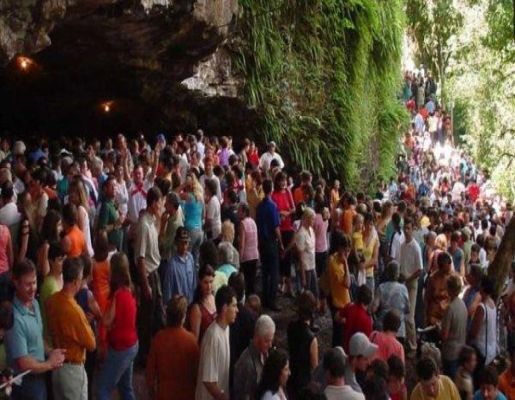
column 137, row 200
column 85, row 228
column 342, row 392
column 395, row 247
column 214, row 216
column 215, row 178
column 9, row 214
column 305, row 242
column 214, row 361
column 266, row 159
column 410, row 258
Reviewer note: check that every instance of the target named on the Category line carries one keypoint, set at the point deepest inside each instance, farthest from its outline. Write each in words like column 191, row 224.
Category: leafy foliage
column 323, row 75
column 434, row 25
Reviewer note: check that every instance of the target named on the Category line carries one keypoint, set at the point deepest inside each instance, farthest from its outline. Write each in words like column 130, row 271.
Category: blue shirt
column 479, row 396
column 267, row 219
column 192, row 213
column 25, row 338
column 179, row 276
column 227, row 269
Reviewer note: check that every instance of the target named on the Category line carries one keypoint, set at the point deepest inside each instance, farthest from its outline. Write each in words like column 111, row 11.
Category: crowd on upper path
column 173, row 256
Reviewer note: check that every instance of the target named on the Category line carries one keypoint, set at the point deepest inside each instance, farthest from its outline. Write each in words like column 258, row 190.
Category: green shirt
column 108, row 216
column 48, row 288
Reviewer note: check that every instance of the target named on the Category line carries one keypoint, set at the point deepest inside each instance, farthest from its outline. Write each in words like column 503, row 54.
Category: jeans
column 269, row 250
column 196, row 238
column 117, row 372
column 370, row 282
column 33, row 387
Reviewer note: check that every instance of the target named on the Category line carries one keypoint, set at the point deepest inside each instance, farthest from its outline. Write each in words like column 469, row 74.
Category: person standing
column 179, row 275
column 147, row 259
column 24, row 343
column 248, row 246
column 109, row 217
column 249, row 367
column 270, row 242
column 174, row 356
column 122, row 337
column 70, row 329
column 454, row 328
column 213, row 374
column 410, row 257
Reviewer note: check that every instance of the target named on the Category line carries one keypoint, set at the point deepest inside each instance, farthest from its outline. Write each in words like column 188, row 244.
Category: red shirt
column 473, row 192
column 357, row 319
column 284, row 202
column 123, row 333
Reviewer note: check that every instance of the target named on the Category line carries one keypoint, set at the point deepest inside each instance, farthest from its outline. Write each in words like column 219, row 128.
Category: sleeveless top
column 250, row 250
column 193, row 213
column 300, row 337
column 206, row 318
column 486, row 339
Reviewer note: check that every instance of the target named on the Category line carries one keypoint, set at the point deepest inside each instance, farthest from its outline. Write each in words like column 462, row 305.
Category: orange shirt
column 298, row 195
column 172, row 364
column 507, row 384
column 101, row 291
column 68, row 327
column 348, row 216
column 77, row 242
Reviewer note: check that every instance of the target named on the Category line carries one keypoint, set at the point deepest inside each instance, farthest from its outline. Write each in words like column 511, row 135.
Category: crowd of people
column 174, row 258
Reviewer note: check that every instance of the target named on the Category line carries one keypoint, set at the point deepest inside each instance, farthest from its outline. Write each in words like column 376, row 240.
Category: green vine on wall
column 324, row 76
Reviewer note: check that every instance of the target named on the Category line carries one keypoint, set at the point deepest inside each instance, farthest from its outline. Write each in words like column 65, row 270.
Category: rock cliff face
column 163, row 63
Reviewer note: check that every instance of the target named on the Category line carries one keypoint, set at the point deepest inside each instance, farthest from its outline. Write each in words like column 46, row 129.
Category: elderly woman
column 305, row 245
column 391, row 295
column 226, row 245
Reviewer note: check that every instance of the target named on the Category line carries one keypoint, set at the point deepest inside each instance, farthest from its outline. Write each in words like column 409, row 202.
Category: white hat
column 360, row 345
column 19, row 148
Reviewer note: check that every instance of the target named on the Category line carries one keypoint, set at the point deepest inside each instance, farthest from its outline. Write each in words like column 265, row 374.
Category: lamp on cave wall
column 24, row 63
column 107, row 106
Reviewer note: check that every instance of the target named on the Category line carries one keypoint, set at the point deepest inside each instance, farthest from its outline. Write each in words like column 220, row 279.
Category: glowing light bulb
column 24, row 63
column 107, row 108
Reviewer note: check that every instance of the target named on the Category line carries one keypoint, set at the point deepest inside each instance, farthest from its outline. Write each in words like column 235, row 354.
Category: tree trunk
column 500, row 267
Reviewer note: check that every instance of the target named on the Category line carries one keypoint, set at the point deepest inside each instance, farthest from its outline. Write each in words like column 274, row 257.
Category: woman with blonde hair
column 192, row 197
column 440, row 247
column 77, row 196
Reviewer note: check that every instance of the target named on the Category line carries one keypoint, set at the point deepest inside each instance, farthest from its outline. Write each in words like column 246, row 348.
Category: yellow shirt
column 68, row 327
column 446, row 391
column 368, row 252
column 339, row 293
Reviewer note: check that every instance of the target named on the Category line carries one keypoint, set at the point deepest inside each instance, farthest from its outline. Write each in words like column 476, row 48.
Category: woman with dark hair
column 248, row 245
column 302, row 343
column 203, row 309
column 283, row 198
column 122, row 338
column 339, row 278
column 276, row 372
column 391, row 295
column 483, row 331
column 50, row 233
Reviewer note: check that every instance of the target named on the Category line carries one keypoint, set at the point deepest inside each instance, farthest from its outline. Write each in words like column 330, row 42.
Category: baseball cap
column 360, row 345
column 182, row 235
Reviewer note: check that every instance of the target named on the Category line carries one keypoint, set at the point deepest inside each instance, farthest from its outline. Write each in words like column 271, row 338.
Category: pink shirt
column 4, row 239
column 388, row 346
column 250, row 248
column 320, row 227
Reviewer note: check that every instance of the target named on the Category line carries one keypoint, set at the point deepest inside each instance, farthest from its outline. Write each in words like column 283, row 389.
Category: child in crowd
column 396, row 379
column 464, row 380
